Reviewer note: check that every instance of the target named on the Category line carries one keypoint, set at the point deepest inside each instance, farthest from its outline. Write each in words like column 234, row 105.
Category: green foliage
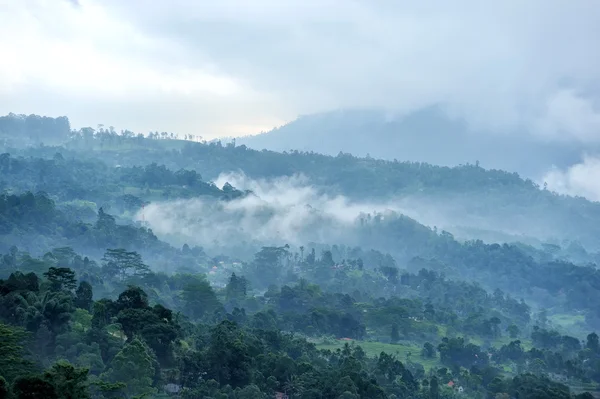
column 34, row 387
column 4, row 388
column 221, row 337
column 61, row 278
column 68, row 381
column 395, row 335
column 135, row 366
column 84, row 296
column 12, row 352
column 199, row 298
column 124, row 263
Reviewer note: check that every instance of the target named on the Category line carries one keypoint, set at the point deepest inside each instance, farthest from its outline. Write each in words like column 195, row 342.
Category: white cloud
column 212, row 67
column 283, row 210
column 571, row 115
column 86, row 62
column 582, row 179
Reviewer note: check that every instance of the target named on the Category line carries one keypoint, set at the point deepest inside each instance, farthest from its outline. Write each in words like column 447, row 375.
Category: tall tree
column 61, row 278
column 135, row 365
column 199, row 297
column 84, row 296
column 34, row 387
column 395, row 335
column 69, row 382
column 236, row 287
column 124, row 263
column 12, row 361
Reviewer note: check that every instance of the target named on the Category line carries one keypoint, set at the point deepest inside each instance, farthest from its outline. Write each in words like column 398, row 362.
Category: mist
column 581, row 179
column 286, row 210
column 293, row 211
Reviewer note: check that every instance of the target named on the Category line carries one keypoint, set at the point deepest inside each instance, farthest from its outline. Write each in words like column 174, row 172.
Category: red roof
column 451, row 384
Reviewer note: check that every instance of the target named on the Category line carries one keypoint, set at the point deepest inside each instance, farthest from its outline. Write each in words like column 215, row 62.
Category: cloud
column 85, row 61
column 582, row 179
column 292, row 210
column 287, row 210
column 206, row 66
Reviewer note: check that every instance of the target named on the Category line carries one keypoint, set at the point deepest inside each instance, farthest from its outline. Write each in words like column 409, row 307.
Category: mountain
column 428, row 135
column 155, row 267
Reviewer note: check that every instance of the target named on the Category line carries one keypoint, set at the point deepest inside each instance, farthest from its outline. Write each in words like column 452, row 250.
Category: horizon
column 151, row 67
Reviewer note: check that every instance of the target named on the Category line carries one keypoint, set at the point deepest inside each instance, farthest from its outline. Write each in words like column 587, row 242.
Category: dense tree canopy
column 94, row 304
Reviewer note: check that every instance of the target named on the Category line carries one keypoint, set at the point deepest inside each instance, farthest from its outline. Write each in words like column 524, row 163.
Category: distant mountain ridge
column 428, row 135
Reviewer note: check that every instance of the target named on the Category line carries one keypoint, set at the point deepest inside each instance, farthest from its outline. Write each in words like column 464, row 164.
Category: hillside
column 466, row 198
column 428, row 135
column 135, row 266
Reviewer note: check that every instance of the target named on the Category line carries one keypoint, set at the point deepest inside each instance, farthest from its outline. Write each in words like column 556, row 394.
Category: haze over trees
column 426, row 135
column 147, row 266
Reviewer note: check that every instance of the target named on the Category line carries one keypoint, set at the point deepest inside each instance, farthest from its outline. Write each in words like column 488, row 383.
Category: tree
column 311, row 257
column 434, row 388
column 428, row 350
column 390, row 272
column 123, row 263
column 513, row 331
column 495, row 324
column 229, row 356
column 132, row 298
column 135, row 365
column 346, row 385
column 108, row 390
column 4, row 389
column 12, row 362
column 327, row 259
column 105, row 222
column 68, row 381
column 61, row 278
column 199, row 297
column 268, row 263
column 592, row 342
column 531, row 386
column 395, row 336
column 429, row 312
column 236, row 287
column 84, row 296
column 34, row 387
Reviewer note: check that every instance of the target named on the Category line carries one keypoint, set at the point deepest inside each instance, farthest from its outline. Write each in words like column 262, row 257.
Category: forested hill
column 426, row 135
column 464, row 196
column 125, row 272
column 467, row 195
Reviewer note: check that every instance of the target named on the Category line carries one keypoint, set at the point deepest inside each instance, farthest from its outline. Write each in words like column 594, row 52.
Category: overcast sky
column 232, row 67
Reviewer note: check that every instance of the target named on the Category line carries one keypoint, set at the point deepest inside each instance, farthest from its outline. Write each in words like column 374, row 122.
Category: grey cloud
column 503, row 64
column 498, row 64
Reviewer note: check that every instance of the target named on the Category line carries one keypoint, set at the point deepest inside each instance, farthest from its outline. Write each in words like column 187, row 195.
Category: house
column 281, row 395
column 451, row 384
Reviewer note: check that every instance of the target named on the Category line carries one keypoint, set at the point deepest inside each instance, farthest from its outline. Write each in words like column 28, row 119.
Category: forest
column 154, row 266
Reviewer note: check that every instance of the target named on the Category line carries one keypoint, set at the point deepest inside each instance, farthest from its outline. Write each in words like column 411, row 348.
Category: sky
column 236, row 67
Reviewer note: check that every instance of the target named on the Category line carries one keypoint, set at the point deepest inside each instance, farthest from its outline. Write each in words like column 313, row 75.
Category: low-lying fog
column 290, row 210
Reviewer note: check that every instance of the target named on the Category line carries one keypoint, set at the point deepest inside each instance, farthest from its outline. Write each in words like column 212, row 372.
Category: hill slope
column 428, row 135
